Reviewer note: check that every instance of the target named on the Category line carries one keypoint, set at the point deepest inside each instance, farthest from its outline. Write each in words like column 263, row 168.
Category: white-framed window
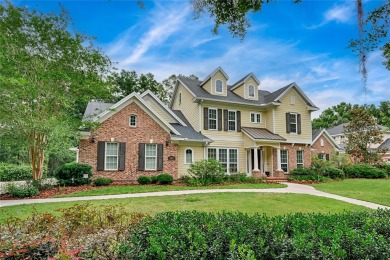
column 133, row 120
column 232, row 120
column 150, row 156
column 227, row 156
column 180, row 98
column 218, row 86
column 284, row 160
column 251, row 91
column 213, row 118
column 188, row 156
column 322, row 142
column 293, row 123
column 292, row 100
column 255, row 117
column 299, row 159
column 111, row 160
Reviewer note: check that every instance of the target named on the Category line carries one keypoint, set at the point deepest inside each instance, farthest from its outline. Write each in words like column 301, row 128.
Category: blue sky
column 305, row 42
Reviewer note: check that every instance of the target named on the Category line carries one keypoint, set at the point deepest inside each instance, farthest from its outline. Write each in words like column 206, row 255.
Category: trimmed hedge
column 102, row 181
column 22, row 191
column 201, row 235
column 14, row 172
column 164, row 179
column 364, row 171
column 333, row 172
column 72, row 174
column 143, row 180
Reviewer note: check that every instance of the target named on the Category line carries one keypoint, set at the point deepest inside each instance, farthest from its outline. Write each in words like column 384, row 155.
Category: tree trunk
column 37, row 153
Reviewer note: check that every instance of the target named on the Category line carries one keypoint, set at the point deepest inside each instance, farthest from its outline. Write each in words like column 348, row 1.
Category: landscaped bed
column 377, row 190
column 120, row 188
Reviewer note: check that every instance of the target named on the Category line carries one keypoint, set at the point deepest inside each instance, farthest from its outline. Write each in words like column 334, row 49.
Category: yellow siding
column 233, row 144
column 161, row 111
column 251, row 81
column 187, row 107
column 207, row 86
column 198, row 153
column 299, row 107
column 240, row 91
column 220, row 76
column 269, row 120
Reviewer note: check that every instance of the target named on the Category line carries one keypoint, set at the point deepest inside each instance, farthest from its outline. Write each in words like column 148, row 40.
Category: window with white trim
column 292, row 100
column 111, row 160
column 150, row 156
column 232, row 120
column 293, row 123
column 189, row 156
column 212, row 119
column 227, row 156
column 299, row 159
column 322, row 142
column 218, row 86
column 284, row 160
column 255, row 117
column 251, row 91
column 133, row 120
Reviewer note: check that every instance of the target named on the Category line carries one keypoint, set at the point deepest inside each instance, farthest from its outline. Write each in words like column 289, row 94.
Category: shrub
column 22, row 191
column 207, row 172
column 201, row 235
column 364, row 171
column 13, row 172
column 384, row 166
column 143, row 180
column 153, row 179
column 72, row 174
column 333, row 173
column 237, row 177
column 102, row 181
column 302, row 171
column 165, row 178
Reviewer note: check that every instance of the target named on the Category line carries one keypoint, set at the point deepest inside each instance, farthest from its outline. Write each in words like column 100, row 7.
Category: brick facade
column 327, row 147
column 292, row 155
column 117, row 128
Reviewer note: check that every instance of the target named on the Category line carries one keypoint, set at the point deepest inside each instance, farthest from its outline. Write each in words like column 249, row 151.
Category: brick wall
column 327, row 148
column 117, row 127
column 292, row 155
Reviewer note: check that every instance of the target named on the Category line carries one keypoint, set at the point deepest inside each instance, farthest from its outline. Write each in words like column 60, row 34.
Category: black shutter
column 299, row 123
column 288, row 122
column 238, row 121
column 160, row 157
column 141, row 157
column 206, row 118
column 219, row 119
column 100, row 155
column 225, row 120
column 327, row 157
column 122, row 156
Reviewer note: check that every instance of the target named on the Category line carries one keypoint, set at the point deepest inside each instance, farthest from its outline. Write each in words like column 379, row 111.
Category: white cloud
column 341, row 13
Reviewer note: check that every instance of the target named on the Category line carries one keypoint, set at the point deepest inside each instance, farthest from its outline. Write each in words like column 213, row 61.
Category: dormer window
column 218, row 86
column 251, row 91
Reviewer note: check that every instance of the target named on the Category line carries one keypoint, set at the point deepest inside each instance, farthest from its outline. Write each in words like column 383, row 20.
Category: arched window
column 218, row 86
column 188, row 156
column 251, row 91
column 133, row 121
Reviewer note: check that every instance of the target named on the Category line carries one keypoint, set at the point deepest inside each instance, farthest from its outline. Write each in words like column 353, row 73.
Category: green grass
column 268, row 203
column 112, row 190
column 377, row 191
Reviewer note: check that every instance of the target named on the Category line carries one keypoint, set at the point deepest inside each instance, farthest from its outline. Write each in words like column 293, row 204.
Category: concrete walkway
column 291, row 188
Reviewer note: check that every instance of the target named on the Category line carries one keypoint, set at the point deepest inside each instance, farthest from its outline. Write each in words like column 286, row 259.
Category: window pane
column 133, row 120
column 233, row 160
column 232, row 120
column 218, row 85
column 150, row 150
column 188, row 156
column 223, row 155
column 150, row 163
column 111, row 149
column 213, row 119
column 212, row 153
column 258, row 118
column 251, row 91
column 252, row 117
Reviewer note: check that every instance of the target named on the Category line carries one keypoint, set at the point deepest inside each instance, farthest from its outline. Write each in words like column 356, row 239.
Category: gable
column 242, row 88
column 213, row 82
column 326, row 137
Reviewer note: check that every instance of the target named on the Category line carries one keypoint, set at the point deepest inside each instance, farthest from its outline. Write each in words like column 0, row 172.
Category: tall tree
column 170, row 82
column 333, row 116
column 45, row 70
column 362, row 133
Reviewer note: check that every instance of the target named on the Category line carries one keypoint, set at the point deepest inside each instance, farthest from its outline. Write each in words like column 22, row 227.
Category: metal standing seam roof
column 262, row 134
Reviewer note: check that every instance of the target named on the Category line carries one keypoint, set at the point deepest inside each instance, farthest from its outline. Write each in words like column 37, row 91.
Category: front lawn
column 113, row 190
column 377, row 191
column 268, row 203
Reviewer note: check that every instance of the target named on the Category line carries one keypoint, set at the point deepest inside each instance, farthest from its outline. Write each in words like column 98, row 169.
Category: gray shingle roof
column 385, row 144
column 315, row 133
column 239, row 81
column 261, row 133
column 188, row 132
column 339, row 129
column 94, row 108
column 180, row 115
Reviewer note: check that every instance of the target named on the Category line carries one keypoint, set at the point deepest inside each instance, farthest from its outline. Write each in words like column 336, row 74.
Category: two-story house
column 247, row 129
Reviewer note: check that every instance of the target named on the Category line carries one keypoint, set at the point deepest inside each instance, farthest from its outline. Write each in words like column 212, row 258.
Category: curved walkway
column 291, row 188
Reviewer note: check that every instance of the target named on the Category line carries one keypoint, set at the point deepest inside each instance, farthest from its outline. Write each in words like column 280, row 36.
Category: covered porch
column 260, row 145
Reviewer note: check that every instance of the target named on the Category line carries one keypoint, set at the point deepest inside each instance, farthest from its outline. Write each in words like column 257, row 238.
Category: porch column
column 255, row 161
column 278, row 159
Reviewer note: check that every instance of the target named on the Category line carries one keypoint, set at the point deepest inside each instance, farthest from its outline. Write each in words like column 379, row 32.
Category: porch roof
column 261, row 134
